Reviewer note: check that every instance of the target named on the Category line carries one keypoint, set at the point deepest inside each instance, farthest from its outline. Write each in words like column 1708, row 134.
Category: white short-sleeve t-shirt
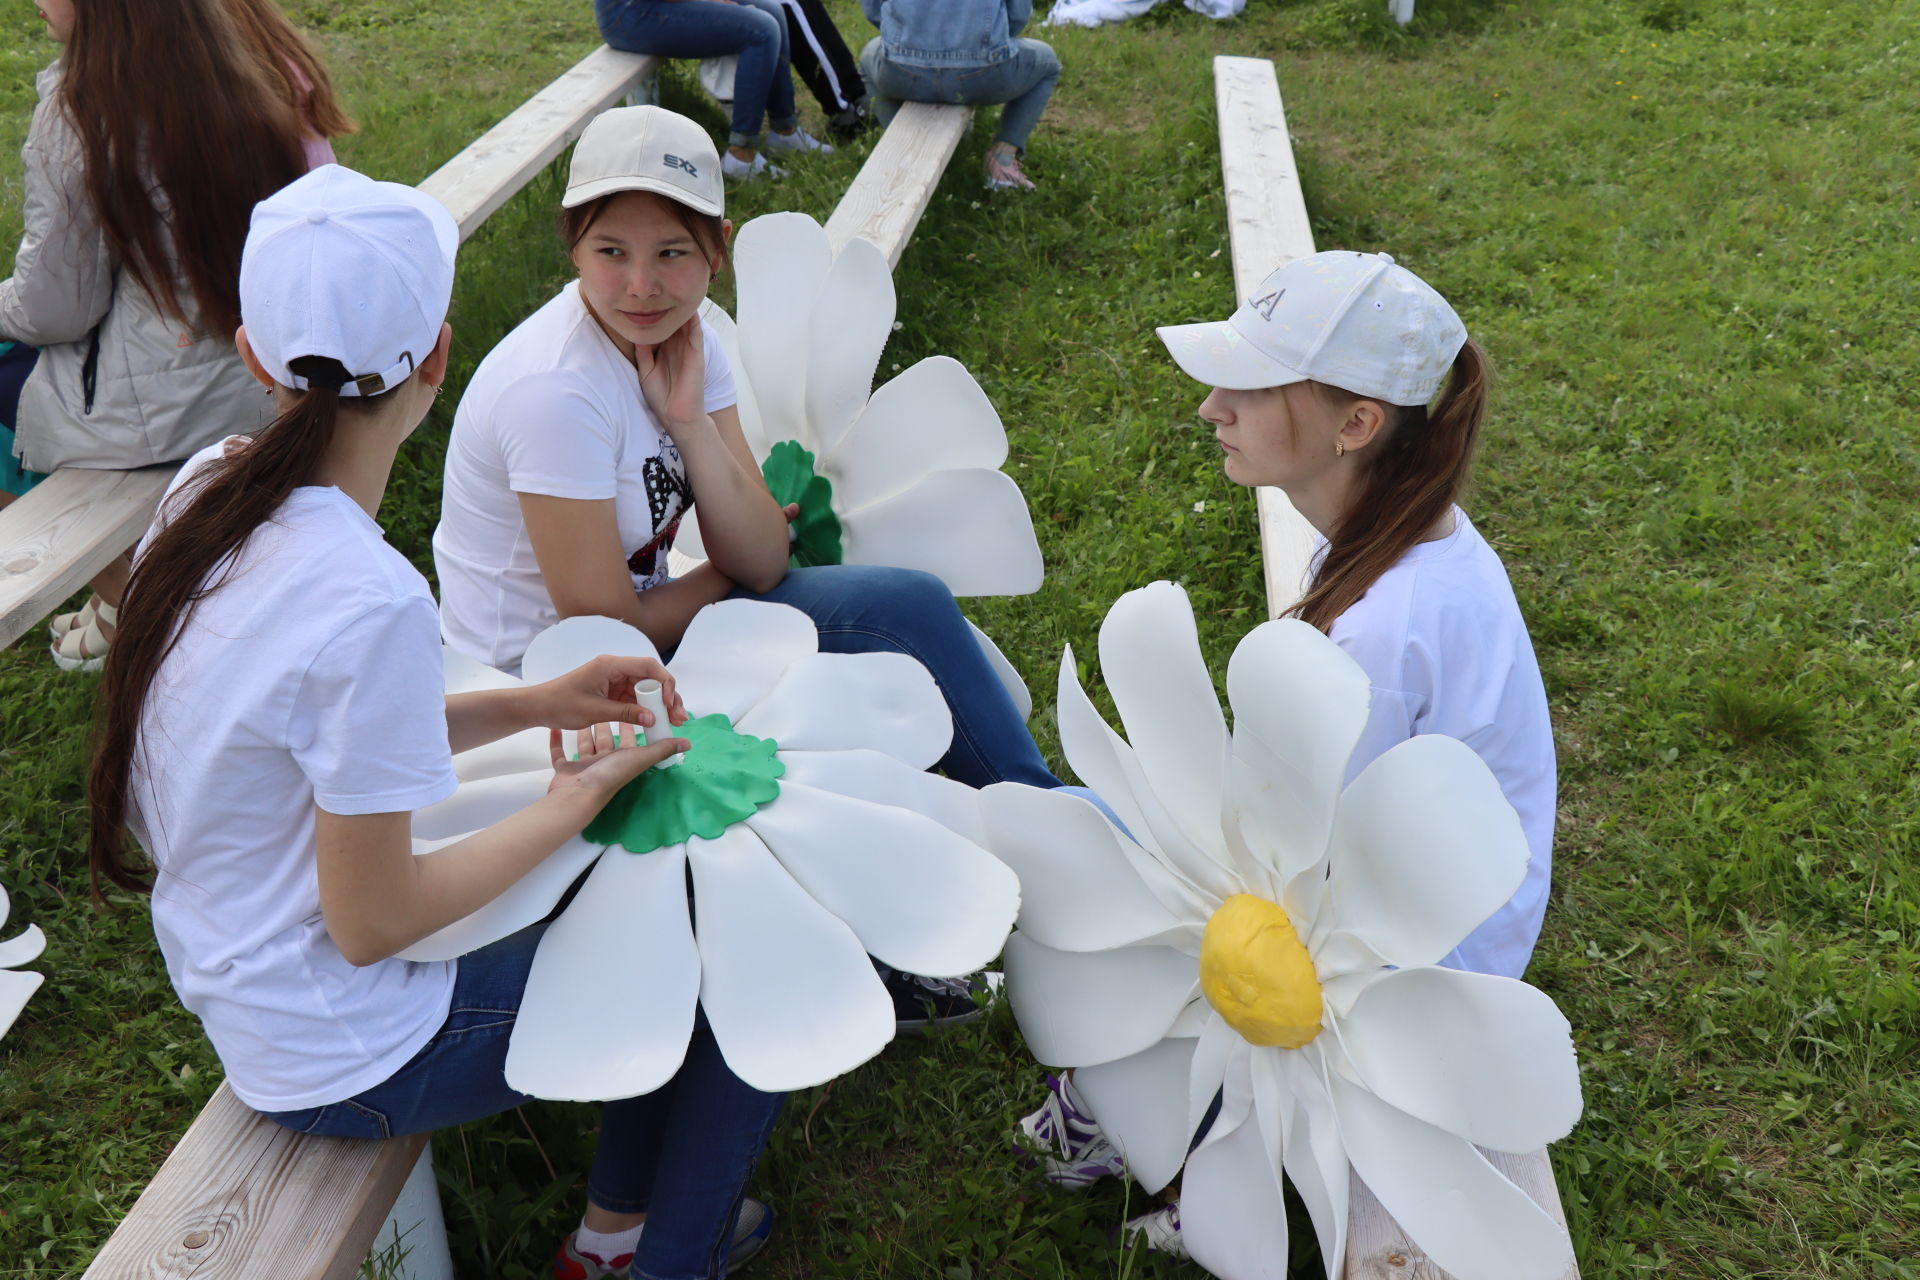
column 555, row 409
column 312, row 677
column 1446, row 650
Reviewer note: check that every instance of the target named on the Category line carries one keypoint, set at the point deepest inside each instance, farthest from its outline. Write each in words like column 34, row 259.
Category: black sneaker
column 923, row 1004
column 851, row 123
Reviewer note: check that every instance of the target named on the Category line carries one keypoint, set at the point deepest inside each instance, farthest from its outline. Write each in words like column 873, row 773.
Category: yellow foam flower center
column 1256, row 973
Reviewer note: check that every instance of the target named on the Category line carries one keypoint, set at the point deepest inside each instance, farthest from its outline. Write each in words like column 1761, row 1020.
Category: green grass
column 1684, row 229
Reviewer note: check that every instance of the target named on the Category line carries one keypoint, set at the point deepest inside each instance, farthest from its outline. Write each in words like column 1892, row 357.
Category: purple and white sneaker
column 1066, row 1143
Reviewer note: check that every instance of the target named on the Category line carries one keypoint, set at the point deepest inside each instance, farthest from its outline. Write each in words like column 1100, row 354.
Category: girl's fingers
column 556, row 747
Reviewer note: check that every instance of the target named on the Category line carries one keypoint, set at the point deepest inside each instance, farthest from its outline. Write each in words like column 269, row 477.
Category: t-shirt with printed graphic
column 555, row 409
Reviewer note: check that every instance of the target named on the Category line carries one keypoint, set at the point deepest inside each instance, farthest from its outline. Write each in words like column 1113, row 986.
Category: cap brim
column 612, row 186
column 1217, row 355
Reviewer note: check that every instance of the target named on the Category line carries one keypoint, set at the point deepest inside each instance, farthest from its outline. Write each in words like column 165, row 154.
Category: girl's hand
column 673, row 378
column 601, row 691
column 603, row 768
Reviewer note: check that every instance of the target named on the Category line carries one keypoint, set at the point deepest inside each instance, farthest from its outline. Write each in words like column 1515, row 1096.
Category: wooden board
column 506, row 157
column 66, row 529
column 242, row 1198
column 1268, row 228
column 896, row 183
column 1378, row 1250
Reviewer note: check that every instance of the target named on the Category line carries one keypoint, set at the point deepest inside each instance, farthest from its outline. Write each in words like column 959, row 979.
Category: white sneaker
column 1158, row 1231
column 746, row 171
column 798, row 140
column 1066, row 1143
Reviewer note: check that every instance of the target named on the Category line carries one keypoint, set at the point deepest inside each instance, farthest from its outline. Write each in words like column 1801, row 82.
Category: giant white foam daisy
column 1272, row 941
column 17, row 986
column 812, row 836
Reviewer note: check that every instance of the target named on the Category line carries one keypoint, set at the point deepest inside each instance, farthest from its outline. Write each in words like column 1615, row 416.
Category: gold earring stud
column 1339, row 450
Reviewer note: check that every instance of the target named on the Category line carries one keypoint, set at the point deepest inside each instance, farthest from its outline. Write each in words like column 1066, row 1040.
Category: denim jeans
column 869, row 609
column 1024, row 82
column 682, row 1153
column 756, row 30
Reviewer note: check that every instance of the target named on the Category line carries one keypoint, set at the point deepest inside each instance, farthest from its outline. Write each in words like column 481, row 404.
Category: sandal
column 65, row 622
column 84, row 648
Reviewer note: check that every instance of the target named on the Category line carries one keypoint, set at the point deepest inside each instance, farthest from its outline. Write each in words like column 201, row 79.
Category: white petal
column 23, row 947
column 463, row 674
column 734, row 652
column 480, row 803
column 1444, row 1194
column 789, row 991
column 574, row 642
column 970, row 529
column 872, row 775
column 528, row 751
column 1293, row 1084
column 1138, row 1102
column 1489, row 1059
column 609, row 1002
column 846, row 333
column 842, row 701
column 1424, row 848
column 524, row 901
column 934, row 417
column 1016, row 687
column 1078, row 888
column 918, row 897
column 1081, row 1008
column 689, row 550
column 1233, row 1218
column 16, row 989
column 1218, row 1053
column 1299, row 706
column 747, row 406
column 780, row 262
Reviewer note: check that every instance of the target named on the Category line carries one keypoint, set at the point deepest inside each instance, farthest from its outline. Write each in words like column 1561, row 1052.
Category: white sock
column 607, row 1246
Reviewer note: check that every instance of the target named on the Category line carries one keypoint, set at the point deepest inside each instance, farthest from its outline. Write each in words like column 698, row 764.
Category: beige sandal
column 81, row 617
column 84, row 648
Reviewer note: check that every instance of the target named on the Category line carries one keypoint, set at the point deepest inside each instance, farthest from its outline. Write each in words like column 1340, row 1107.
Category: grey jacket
column 948, row 33
column 158, row 391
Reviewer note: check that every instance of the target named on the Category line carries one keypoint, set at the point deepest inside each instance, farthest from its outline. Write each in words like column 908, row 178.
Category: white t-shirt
column 312, row 677
column 555, row 409
column 1442, row 641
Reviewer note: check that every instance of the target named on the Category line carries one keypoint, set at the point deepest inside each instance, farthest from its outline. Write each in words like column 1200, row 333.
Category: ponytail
column 1418, row 466
column 186, row 561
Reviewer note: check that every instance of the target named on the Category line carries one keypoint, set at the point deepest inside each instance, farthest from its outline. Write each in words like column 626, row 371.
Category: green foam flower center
column 791, row 478
column 722, row 777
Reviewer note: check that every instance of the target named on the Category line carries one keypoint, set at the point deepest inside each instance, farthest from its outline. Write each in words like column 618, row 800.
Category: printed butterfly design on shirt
column 668, row 498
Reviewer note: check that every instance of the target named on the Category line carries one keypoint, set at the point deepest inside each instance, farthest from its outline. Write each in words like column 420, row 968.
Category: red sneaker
column 573, row 1264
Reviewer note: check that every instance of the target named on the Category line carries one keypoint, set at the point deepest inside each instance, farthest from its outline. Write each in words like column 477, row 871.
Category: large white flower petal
column 1468, row 1217
column 1293, row 1084
column 1016, row 686
column 1233, row 1218
column 528, row 751
column 462, row 674
column 919, row 897
column 1216, row 1055
column 1424, row 848
column 1137, row 1102
column 1078, row 888
column 574, row 642
column 1487, row 1058
column 481, row 803
column 15, row 990
column 789, row 991
column 875, row 776
column 1078, row 1009
column 1299, row 707
column 934, row 417
column 847, row 331
column 780, row 262
column 746, row 405
column 969, row 528
column 735, row 651
column 521, row 903
column 619, row 965
column 839, row 701
column 24, row 947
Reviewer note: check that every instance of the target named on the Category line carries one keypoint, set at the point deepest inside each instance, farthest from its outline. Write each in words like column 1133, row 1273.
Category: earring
column 1339, row 450
column 437, row 389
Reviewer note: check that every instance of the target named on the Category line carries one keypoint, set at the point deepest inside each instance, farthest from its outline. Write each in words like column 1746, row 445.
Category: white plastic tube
column 649, row 694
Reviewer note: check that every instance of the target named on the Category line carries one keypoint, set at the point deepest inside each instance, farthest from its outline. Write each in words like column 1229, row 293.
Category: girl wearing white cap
column 1324, row 385
column 273, row 713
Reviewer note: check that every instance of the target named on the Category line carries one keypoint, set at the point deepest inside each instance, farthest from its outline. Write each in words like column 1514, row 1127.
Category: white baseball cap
column 646, row 149
column 339, row 265
column 1356, row 321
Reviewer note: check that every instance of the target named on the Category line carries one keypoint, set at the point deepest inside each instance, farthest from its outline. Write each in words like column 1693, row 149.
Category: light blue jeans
column 1023, row 81
column 756, row 30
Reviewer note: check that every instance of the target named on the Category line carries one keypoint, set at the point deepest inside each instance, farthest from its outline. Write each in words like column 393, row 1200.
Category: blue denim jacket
column 948, row 33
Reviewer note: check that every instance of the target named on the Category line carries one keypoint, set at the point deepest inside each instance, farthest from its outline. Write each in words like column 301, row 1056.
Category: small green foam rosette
column 791, row 478
column 722, row 777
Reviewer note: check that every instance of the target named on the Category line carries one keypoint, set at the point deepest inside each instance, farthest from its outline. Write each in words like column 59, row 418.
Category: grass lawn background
column 1686, row 231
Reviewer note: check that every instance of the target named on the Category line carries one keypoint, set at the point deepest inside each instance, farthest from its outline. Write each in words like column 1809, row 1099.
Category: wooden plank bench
column 1268, row 226
column 896, row 184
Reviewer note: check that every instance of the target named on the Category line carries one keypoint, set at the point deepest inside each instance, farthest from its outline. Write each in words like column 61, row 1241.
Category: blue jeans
column 870, row 609
column 756, row 30
column 682, row 1153
column 1024, row 82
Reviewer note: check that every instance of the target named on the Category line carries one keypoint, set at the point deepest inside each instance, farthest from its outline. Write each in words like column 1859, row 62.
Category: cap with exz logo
column 646, row 149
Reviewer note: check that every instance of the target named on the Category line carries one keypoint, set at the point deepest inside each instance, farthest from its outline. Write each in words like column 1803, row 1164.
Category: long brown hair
column 303, row 77
column 187, row 561
column 1414, row 471
column 182, row 130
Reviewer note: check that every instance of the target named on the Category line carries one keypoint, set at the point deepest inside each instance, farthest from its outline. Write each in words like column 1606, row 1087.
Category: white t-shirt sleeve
column 369, row 721
column 556, row 438
column 721, row 393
